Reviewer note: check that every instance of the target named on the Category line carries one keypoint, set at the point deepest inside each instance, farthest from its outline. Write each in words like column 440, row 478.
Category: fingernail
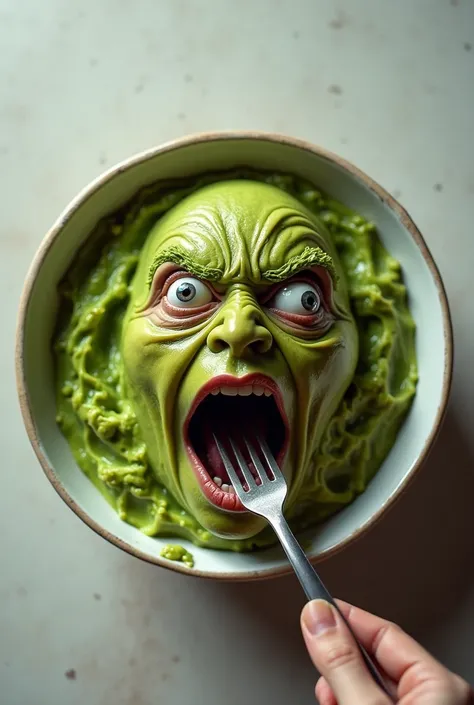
column 318, row 617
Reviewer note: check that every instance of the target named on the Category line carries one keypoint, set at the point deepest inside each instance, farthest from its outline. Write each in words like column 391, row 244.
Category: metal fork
column 267, row 500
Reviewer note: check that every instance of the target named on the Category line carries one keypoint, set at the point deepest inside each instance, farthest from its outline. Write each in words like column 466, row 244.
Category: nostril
column 262, row 343
column 259, row 347
column 247, row 336
column 216, row 344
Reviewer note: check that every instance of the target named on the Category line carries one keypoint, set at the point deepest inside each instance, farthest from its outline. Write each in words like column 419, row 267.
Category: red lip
column 225, row 500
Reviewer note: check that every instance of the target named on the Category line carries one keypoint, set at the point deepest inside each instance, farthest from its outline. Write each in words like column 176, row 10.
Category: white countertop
column 388, row 85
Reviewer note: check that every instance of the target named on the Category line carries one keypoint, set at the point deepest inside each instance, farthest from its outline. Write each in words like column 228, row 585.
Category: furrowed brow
column 310, row 257
column 187, row 262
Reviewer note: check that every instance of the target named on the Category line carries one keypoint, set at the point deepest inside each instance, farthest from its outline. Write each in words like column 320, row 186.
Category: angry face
column 239, row 323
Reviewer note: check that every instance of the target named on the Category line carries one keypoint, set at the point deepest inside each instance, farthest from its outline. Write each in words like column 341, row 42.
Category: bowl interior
column 426, row 302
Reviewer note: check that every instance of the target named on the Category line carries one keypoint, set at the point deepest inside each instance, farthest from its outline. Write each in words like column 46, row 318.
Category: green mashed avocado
column 173, row 552
column 99, row 420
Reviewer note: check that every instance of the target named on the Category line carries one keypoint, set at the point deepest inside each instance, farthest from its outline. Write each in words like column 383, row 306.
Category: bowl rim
column 55, row 231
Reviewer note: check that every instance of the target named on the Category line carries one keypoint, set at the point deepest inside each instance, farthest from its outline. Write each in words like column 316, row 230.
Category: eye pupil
column 310, row 300
column 186, row 291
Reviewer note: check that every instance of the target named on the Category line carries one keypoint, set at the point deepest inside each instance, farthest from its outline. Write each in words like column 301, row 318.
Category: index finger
column 393, row 648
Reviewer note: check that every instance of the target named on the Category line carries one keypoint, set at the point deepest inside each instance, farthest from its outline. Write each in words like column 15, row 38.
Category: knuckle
column 424, row 675
column 388, row 633
column 394, row 629
column 440, row 682
column 340, row 655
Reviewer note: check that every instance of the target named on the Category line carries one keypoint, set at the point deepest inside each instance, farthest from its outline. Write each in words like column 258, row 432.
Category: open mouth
column 236, row 407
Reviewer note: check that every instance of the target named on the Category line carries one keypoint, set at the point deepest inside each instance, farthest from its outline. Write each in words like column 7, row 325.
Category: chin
column 225, row 525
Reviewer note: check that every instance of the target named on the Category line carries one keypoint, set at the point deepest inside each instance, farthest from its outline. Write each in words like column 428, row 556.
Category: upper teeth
column 243, row 391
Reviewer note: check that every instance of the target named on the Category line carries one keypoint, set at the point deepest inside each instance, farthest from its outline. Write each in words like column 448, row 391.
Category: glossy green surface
column 126, row 377
column 173, row 552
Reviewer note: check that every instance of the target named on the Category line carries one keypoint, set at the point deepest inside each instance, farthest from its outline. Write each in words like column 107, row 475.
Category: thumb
column 337, row 657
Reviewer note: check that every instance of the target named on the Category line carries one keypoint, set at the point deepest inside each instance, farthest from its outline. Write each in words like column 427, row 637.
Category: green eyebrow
column 185, row 260
column 310, row 257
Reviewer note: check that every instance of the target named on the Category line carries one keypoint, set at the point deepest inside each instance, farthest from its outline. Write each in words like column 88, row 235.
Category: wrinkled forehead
column 240, row 230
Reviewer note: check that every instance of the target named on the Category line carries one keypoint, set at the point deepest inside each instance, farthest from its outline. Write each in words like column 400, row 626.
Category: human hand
column 412, row 674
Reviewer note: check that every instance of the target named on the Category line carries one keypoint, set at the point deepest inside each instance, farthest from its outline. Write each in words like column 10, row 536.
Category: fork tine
column 277, row 473
column 230, row 468
column 249, row 478
column 257, row 463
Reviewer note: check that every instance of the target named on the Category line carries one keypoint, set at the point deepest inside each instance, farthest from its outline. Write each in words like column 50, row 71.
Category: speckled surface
column 85, row 84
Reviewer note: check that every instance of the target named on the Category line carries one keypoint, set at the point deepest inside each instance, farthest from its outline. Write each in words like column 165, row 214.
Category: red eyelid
column 302, row 321
column 182, row 312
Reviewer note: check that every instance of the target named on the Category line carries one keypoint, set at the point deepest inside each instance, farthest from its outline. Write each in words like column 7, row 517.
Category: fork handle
column 315, row 590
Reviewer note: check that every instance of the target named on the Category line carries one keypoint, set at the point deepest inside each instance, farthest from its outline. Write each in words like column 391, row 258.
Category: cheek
column 136, row 355
column 139, row 361
column 148, row 391
column 149, row 374
column 144, row 350
column 332, row 374
column 334, row 371
column 323, row 370
column 155, row 363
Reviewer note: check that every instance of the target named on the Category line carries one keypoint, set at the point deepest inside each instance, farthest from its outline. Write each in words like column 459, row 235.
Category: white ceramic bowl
column 213, row 152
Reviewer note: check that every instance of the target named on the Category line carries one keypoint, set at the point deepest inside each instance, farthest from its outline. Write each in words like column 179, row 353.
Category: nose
column 240, row 329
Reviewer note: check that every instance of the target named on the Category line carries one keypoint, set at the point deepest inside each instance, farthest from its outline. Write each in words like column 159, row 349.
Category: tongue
column 241, row 428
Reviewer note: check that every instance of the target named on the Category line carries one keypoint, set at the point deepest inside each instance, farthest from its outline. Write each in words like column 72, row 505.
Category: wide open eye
column 300, row 298
column 188, row 292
